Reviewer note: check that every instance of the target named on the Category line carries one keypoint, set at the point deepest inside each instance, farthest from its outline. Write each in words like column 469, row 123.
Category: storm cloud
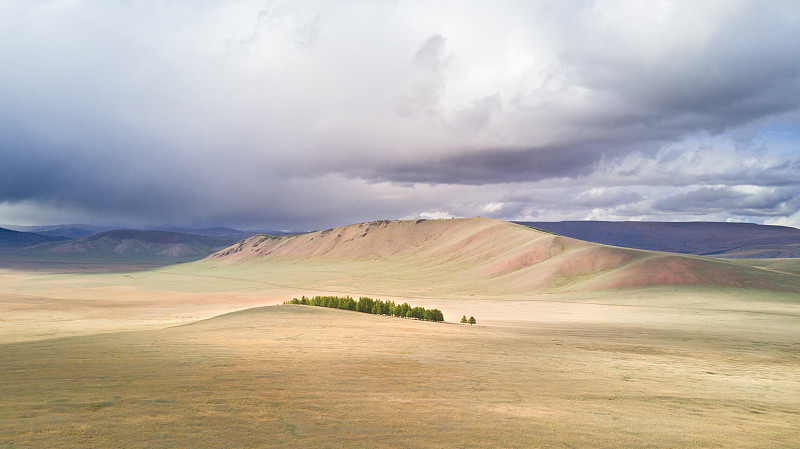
column 307, row 114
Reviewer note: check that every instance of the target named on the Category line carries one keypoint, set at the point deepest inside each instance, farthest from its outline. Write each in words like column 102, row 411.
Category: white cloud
column 295, row 113
column 492, row 208
column 430, row 215
column 791, row 220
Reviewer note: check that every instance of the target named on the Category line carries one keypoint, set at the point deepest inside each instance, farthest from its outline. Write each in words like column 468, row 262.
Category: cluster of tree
column 373, row 306
column 464, row 320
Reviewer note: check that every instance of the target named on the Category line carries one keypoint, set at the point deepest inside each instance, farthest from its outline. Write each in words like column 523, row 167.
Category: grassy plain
column 40, row 305
column 298, row 376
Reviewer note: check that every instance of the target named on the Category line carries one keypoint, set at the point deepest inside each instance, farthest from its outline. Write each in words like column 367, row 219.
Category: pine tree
column 472, row 320
column 463, row 319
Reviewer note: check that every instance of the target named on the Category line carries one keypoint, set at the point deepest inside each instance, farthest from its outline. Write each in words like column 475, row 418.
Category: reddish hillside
column 498, row 256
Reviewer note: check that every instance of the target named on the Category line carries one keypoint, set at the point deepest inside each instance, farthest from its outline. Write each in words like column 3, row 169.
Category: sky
column 309, row 114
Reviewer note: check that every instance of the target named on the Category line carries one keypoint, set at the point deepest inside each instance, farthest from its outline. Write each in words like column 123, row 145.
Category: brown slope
column 495, row 256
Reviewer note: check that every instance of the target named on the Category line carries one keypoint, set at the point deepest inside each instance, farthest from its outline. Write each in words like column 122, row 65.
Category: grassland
column 678, row 366
column 295, row 376
column 788, row 265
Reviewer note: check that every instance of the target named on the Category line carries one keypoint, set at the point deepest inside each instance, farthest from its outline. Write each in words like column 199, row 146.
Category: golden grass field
column 134, row 358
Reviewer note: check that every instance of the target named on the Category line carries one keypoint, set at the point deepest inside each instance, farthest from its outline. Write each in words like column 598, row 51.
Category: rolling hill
column 15, row 239
column 733, row 240
column 217, row 232
column 74, row 231
column 125, row 246
column 70, row 231
column 488, row 255
column 228, row 233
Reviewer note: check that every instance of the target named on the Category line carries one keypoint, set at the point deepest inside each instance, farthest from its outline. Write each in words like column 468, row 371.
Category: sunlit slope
column 786, row 266
column 493, row 256
column 310, row 377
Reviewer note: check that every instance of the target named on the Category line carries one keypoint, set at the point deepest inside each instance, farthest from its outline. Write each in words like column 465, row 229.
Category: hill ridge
column 495, row 255
column 718, row 239
column 135, row 246
column 10, row 239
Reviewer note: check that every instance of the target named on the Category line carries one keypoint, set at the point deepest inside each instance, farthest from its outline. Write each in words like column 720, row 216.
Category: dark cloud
column 726, row 70
column 495, row 166
column 296, row 113
column 756, row 202
column 703, row 199
column 608, row 197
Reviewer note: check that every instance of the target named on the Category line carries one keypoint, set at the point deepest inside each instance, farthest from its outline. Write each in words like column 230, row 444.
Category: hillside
column 732, row 240
column 74, row 231
column 217, row 232
column 15, row 239
column 126, row 246
column 228, row 233
column 71, row 231
column 487, row 255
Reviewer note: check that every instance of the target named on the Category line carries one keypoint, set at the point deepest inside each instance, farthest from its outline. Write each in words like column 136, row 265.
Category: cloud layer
column 313, row 113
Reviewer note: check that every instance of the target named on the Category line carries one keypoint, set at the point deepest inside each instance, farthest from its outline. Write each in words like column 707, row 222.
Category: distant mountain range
column 227, row 233
column 10, row 239
column 73, row 231
column 97, row 244
column 732, row 240
column 129, row 246
column 70, row 231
